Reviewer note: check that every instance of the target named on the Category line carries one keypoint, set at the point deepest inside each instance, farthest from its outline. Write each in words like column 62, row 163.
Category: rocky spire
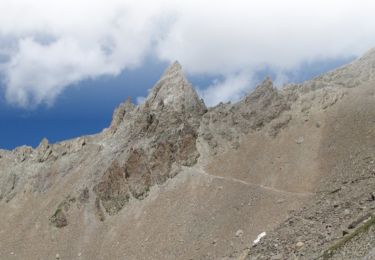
column 119, row 114
column 173, row 91
column 264, row 89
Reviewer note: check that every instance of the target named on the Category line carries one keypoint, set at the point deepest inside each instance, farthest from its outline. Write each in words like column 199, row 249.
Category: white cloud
column 37, row 73
column 232, row 88
column 53, row 44
column 242, row 35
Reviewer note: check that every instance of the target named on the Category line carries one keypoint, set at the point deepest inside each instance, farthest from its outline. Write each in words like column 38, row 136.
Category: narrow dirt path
column 231, row 179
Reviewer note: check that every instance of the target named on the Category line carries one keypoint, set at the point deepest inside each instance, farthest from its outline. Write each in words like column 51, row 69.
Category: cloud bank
column 46, row 46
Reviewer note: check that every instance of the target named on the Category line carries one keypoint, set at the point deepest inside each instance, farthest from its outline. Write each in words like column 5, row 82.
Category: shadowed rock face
column 59, row 219
column 113, row 189
column 143, row 169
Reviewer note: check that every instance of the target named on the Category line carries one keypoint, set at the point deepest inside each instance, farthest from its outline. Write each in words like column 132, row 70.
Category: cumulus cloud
column 232, row 88
column 37, row 73
column 49, row 45
column 46, row 46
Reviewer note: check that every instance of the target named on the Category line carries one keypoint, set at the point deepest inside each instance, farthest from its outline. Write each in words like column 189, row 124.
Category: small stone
column 372, row 196
column 300, row 140
column 79, row 254
column 300, row 244
column 239, row 233
column 57, row 256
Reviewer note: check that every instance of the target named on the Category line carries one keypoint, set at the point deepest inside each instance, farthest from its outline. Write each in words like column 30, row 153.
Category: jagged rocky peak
column 265, row 86
column 44, row 150
column 264, row 89
column 120, row 112
column 173, row 91
column 44, row 145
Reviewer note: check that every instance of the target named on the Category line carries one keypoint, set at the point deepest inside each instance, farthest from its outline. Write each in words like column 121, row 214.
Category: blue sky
column 65, row 65
column 87, row 107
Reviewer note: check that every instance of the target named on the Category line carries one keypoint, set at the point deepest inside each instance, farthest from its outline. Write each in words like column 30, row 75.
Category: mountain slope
column 171, row 179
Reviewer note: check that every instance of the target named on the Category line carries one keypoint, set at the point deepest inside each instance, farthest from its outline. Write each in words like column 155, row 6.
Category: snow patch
column 259, row 237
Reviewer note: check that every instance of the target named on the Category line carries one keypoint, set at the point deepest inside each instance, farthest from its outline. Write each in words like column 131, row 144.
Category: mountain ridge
column 171, row 178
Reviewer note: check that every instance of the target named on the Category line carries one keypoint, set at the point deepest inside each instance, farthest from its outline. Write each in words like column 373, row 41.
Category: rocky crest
column 226, row 123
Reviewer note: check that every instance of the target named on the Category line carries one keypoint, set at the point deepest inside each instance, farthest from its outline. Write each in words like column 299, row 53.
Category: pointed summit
column 173, row 91
column 263, row 90
column 264, row 87
column 267, row 84
column 174, row 67
column 174, row 71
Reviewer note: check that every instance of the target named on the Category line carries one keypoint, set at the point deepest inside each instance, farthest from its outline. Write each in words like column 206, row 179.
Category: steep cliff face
column 171, row 179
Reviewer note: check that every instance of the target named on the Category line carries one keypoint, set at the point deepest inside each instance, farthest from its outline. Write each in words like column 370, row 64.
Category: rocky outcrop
column 119, row 114
column 23, row 153
column 226, row 123
column 44, row 151
column 113, row 189
column 59, row 217
column 8, row 187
